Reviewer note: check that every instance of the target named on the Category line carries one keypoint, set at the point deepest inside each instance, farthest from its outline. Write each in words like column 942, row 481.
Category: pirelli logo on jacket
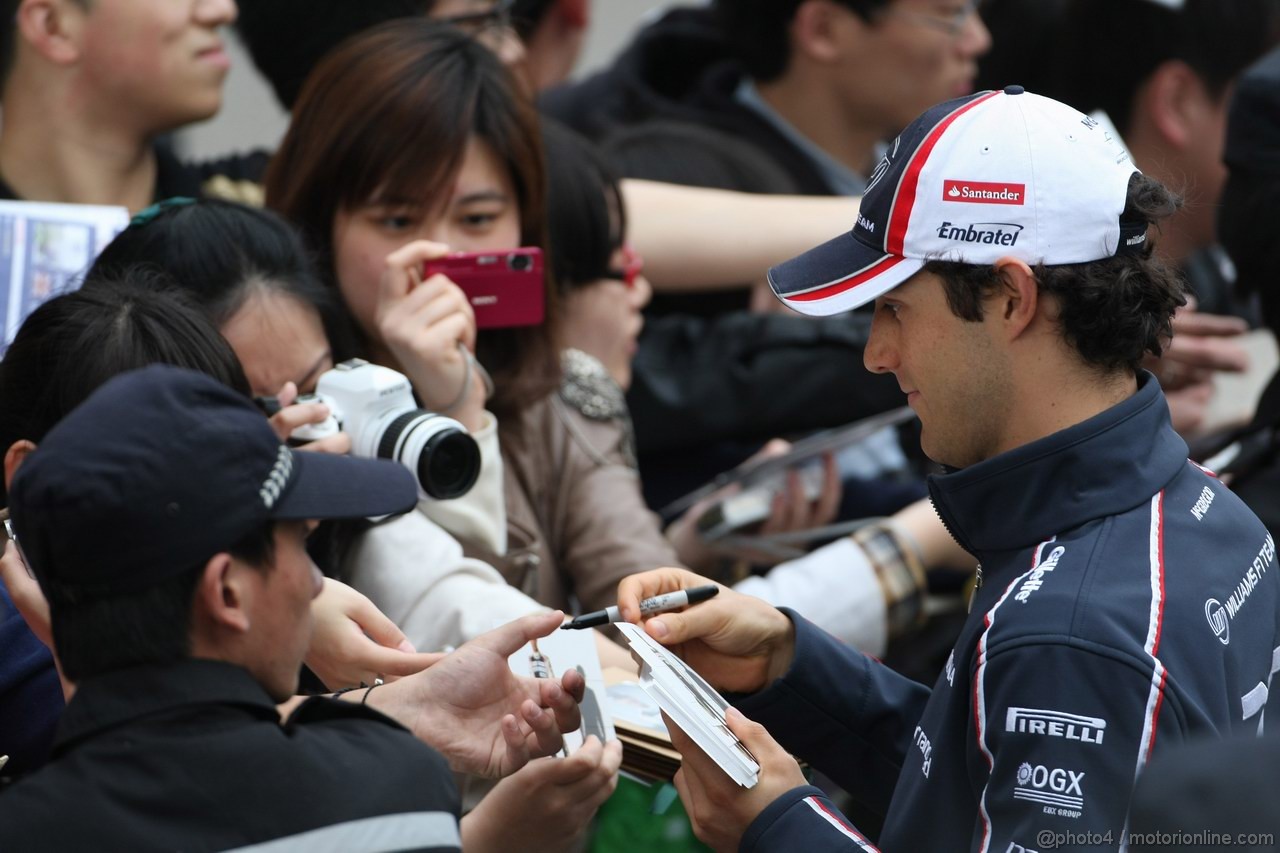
column 1042, row 721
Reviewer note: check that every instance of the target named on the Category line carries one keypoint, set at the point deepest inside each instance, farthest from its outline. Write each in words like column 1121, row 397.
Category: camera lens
column 519, row 263
column 451, row 461
column 439, row 450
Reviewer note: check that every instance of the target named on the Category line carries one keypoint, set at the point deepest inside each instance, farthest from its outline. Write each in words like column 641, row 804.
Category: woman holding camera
column 412, row 141
column 247, row 270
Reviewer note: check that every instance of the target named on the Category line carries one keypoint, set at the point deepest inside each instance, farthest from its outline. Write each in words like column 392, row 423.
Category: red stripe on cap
column 875, row 270
column 906, row 199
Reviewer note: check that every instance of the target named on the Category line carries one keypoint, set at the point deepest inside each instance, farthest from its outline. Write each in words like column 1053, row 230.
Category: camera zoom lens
column 520, row 263
column 450, row 460
column 438, row 450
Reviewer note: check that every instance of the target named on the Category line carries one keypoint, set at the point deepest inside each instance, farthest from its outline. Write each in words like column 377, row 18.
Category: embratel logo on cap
column 983, row 192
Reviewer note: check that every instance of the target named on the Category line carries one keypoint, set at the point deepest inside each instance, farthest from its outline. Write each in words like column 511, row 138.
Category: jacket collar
column 111, row 699
column 1103, row 466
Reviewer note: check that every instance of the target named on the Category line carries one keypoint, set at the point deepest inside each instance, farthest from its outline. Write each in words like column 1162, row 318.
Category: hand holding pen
column 649, row 606
column 738, row 643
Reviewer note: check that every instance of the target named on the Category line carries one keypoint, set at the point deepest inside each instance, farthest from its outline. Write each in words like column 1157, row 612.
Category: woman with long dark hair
column 411, row 141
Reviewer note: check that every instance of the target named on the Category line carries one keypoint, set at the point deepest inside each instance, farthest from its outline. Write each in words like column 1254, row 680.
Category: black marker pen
column 657, row 604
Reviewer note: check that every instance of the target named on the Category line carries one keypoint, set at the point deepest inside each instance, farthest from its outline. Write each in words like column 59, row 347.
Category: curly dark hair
column 1113, row 311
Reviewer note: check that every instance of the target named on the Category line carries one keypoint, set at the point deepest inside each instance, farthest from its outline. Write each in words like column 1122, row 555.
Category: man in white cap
column 1130, row 600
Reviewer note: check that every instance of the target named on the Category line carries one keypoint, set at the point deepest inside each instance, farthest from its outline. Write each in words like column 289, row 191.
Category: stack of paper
column 647, row 753
column 692, row 704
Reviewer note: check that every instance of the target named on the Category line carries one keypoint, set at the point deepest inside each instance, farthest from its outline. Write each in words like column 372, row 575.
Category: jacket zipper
column 977, row 584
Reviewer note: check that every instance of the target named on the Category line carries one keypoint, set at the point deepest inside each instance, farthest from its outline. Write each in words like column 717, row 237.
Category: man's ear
column 1017, row 302
column 13, row 458
column 1172, row 100
column 53, row 28
column 815, row 30
column 223, row 595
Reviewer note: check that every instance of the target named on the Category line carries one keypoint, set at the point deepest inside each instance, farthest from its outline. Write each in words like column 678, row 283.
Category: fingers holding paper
column 720, row 809
column 736, row 642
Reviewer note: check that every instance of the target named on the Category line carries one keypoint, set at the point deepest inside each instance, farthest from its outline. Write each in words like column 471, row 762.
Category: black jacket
column 750, row 377
column 1251, row 463
column 192, row 756
column 678, row 68
column 1210, row 796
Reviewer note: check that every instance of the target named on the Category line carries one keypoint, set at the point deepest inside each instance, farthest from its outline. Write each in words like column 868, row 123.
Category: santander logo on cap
column 984, row 192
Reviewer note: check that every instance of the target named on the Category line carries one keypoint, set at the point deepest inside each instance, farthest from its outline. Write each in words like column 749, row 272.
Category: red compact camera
column 505, row 289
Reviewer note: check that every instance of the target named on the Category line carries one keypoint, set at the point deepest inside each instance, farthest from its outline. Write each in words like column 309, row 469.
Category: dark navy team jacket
column 1130, row 602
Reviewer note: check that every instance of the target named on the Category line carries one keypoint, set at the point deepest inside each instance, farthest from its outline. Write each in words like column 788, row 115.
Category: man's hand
column 720, row 809
column 355, row 642
column 736, row 642
column 26, row 594
column 481, row 716
column 1203, row 341
column 548, row 804
column 790, row 511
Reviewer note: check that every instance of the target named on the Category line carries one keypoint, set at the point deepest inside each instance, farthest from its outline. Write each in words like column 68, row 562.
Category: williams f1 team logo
column 1218, row 621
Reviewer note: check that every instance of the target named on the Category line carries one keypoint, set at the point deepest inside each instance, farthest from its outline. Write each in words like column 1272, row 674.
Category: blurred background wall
column 250, row 117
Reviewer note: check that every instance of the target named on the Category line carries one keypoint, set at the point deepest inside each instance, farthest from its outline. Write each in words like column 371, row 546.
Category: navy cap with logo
column 160, row 469
column 994, row 174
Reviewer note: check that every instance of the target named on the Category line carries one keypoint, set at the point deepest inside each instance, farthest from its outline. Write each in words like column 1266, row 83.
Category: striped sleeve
column 803, row 819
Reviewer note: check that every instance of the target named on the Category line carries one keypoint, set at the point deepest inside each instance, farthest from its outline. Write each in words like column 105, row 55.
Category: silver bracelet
column 473, row 366
column 468, row 360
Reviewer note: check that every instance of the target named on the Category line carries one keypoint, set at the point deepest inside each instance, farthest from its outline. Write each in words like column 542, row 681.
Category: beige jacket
column 576, row 521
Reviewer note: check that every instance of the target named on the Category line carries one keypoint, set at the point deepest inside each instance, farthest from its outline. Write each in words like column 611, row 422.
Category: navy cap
column 160, row 469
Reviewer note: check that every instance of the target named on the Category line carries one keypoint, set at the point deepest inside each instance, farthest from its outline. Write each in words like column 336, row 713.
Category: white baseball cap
column 986, row 176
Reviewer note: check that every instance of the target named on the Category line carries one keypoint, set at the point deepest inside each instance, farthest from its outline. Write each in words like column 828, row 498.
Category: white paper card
column 562, row 651
column 692, row 704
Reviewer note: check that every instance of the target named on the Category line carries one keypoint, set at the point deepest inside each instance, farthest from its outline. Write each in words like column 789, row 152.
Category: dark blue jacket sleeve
column 1063, row 730
column 845, row 713
column 30, row 693
column 803, row 819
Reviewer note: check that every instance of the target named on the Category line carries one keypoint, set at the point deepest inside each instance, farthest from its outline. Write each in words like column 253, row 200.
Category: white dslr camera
column 375, row 406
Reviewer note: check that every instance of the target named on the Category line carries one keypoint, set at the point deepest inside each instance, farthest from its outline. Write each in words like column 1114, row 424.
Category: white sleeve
column 416, row 574
column 835, row 588
column 480, row 515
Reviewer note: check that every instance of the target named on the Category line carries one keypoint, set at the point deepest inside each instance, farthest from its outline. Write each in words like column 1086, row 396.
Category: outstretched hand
column 355, row 642
column 481, row 716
